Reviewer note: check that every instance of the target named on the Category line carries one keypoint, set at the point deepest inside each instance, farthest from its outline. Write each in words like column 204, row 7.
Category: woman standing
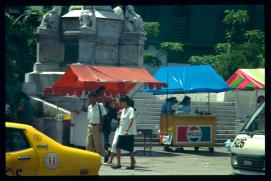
column 127, row 131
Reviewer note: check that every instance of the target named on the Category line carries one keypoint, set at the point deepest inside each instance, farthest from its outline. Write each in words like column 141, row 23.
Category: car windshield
column 256, row 123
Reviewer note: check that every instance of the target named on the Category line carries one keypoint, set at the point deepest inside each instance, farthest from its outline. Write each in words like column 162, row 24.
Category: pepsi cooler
column 188, row 131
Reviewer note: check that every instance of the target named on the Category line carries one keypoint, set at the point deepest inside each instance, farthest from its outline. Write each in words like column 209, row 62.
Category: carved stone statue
column 87, row 18
column 51, row 19
column 118, row 11
column 133, row 21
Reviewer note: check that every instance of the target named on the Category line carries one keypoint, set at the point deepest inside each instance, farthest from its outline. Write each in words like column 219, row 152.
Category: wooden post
column 209, row 108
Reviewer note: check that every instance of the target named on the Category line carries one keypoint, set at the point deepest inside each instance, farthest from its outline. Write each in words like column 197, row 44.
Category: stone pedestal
column 35, row 82
column 131, row 49
column 46, row 67
column 50, row 56
column 106, row 50
column 50, row 48
column 87, row 44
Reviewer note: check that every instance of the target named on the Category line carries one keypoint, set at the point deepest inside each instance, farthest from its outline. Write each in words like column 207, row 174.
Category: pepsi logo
column 193, row 134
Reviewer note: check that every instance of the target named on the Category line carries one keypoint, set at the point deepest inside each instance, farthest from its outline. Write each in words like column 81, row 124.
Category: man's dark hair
column 92, row 94
column 100, row 90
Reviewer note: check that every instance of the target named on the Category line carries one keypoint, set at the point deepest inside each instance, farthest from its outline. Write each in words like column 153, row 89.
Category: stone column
column 87, row 44
column 131, row 49
column 50, row 51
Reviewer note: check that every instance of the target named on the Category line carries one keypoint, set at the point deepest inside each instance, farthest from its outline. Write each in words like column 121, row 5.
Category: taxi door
column 21, row 158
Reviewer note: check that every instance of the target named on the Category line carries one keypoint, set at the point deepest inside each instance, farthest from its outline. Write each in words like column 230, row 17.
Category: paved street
column 164, row 163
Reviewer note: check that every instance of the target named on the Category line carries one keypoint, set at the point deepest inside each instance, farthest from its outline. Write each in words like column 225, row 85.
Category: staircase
column 148, row 117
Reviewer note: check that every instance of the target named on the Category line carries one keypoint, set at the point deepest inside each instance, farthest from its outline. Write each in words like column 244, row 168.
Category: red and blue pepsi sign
column 194, row 134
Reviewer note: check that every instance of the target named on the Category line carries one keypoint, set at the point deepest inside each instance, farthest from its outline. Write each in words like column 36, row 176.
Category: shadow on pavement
column 140, row 153
column 205, row 153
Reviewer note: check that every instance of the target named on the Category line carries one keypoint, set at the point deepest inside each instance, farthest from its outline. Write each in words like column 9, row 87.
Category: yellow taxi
column 30, row 152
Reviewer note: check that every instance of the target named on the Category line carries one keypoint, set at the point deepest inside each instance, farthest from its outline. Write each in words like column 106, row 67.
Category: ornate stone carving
column 51, row 19
column 87, row 18
column 133, row 21
column 118, row 11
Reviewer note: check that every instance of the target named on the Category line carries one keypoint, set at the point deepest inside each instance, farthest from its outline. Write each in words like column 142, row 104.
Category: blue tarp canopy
column 189, row 79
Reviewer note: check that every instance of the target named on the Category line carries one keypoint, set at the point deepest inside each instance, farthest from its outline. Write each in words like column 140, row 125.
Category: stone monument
column 100, row 35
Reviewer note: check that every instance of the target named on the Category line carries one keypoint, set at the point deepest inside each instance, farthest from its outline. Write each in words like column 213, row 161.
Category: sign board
column 193, row 134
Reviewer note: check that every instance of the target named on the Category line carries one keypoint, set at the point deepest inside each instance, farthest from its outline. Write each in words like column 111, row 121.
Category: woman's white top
column 126, row 116
column 186, row 109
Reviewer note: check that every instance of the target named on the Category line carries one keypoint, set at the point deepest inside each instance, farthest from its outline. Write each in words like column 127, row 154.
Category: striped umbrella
column 247, row 79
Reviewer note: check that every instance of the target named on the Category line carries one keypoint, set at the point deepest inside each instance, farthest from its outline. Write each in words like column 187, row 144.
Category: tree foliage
column 152, row 29
column 154, row 60
column 20, row 42
column 242, row 48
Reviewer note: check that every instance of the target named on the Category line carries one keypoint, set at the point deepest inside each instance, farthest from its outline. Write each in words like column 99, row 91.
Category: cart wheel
column 211, row 149
column 196, row 148
column 179, row 149
column 166, row 148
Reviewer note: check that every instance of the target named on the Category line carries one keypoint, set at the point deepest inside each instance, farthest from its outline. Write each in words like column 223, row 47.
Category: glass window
column 71, row 52
column 16, row 140
column 257, row 121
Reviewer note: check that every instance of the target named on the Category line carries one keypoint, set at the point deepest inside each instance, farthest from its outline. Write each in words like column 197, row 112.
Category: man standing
column 95, row 137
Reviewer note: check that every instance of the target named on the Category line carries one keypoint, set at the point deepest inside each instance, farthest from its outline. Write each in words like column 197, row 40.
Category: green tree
column 154, row 60
column 242, row 48
column 20, row 42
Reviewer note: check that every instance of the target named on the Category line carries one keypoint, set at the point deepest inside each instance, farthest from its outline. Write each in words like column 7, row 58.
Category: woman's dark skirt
column 126, row 142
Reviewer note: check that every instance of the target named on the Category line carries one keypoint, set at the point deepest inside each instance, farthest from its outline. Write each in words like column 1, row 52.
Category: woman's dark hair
column 185, row 100
column 130, row 102
column 125, row 99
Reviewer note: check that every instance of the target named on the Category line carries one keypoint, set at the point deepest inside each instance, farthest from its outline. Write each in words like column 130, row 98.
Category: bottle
column 196, row 111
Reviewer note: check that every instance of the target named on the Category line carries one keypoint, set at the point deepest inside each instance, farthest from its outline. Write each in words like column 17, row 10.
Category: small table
column 147, row 132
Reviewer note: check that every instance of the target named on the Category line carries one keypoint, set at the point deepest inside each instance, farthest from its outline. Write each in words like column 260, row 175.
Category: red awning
column 117, row 80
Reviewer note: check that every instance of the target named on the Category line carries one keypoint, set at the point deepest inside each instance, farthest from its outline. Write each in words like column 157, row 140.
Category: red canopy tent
column 116, row 80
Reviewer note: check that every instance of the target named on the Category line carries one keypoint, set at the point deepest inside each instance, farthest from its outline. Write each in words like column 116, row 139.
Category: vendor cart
column 188, row 130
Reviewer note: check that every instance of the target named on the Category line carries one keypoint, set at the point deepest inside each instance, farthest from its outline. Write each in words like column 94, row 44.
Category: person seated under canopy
column 184, row 105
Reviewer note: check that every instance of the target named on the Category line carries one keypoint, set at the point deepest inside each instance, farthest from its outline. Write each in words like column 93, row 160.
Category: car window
column 258, row 124
column 16, row 140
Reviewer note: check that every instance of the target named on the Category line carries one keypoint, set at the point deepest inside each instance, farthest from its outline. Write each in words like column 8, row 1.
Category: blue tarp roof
column 189, row 79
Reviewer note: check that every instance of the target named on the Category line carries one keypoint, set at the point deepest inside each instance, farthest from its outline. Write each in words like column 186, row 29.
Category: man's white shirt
column 94, row 114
